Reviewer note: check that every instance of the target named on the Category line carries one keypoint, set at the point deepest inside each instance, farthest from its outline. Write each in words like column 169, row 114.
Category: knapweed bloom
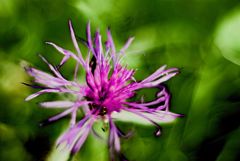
column 105, row 94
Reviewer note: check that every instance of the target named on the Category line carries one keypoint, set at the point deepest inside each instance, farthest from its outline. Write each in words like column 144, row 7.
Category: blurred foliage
column 201, row 37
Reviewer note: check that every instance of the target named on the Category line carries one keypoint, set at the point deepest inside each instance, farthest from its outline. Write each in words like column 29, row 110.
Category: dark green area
column 201, row 37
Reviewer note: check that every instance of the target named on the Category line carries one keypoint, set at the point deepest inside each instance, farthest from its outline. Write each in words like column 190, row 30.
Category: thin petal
column 128, row 43
column 82, row 139
column 160, row 80
column 57, row 104
column 41, row 92
column 76, row 45
column 52, row 68
column 64, row 59
column 76, row 71
column 113, row 139
column 89, row 39
column 65, row 52
column 155, row 74
column 112, row 46
column 76, row 136
column 46, row 79
column 159, row 73
column 57, row 117
column 133, row 116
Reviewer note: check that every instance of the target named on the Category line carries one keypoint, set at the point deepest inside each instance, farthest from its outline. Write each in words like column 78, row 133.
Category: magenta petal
column 155, row 74
column 128, row 43
column 64, row 113
column 57, row 104
column 41, row 92
column 76, row 136
column 76, row 45
column 52, row 68
column 66, row 53
column 113, row 139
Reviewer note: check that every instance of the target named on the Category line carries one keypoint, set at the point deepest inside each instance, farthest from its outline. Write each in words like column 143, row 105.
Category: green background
column 201, row 37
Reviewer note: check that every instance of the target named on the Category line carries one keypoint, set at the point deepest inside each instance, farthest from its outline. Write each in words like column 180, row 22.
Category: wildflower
column 105, row 95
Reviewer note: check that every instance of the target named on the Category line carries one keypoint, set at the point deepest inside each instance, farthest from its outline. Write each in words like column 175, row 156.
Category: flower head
column 105, row 95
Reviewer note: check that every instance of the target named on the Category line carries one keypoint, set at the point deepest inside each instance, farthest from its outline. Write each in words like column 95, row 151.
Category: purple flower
column 106, row 93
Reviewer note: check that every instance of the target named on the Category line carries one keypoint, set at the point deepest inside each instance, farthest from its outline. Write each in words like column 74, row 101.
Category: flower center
column 101, row 110
column 107, row 88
